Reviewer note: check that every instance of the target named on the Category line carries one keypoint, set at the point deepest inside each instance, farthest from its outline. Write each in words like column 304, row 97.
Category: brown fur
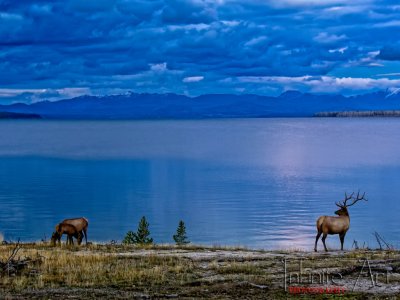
column 333, row 225
column 67, row 229
column 336, row 225
column 81, row 224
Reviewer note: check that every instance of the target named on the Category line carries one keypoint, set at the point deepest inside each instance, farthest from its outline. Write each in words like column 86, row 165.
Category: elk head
column 344, row 205
column 54, row 238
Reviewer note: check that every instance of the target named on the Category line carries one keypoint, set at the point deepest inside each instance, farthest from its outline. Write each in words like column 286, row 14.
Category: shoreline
column 194, row 271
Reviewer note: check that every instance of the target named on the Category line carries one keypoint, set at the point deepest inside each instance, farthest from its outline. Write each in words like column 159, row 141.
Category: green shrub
column 142, row 236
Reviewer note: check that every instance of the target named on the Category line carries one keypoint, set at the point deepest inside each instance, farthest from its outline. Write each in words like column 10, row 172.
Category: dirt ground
column 194, row 272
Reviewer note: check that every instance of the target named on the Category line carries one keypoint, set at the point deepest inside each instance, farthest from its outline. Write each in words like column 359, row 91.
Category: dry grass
column 73, row 268
column 112, row 271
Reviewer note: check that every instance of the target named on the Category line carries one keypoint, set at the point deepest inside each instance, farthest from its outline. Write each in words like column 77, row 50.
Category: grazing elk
column 81, row 224
column 69, row 230
column 337, row 225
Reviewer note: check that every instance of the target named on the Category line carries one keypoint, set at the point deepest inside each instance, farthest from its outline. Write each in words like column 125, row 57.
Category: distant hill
column 164, row 106
column 13, row 115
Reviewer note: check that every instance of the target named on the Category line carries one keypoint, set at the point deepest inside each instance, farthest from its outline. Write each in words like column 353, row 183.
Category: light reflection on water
column 258, row 183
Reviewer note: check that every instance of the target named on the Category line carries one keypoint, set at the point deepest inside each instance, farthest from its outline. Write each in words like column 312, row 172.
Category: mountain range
column 173, row 106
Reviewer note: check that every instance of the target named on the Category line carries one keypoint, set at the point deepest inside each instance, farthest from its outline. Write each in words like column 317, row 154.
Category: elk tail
column 320, row 221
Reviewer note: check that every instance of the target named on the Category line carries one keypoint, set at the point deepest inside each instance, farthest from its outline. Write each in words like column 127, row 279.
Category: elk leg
column 342, row 235
column 316, row 240
column 85, row 231
column 80, row 237
column 83, row 235
column 323, row 241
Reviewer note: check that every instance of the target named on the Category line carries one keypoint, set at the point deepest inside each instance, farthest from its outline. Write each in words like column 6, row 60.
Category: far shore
column 359, row 114
column 192, row 271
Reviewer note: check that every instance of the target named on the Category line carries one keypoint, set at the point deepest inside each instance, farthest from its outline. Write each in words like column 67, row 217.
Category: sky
column 51, row 50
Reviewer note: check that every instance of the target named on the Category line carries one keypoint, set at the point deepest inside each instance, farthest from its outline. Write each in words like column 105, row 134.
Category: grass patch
column 192, row 271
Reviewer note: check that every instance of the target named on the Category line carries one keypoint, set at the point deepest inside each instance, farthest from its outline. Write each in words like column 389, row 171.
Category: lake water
column 248, row 182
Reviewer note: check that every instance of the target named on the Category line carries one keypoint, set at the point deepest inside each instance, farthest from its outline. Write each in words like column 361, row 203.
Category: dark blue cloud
column 194, row 46
column 390, row 53
column 188, row 12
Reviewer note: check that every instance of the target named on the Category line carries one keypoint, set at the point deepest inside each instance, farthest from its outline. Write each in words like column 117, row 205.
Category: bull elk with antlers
column 337, row 225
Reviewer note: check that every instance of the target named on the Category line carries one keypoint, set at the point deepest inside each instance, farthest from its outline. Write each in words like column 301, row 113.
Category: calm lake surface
column 252, row 182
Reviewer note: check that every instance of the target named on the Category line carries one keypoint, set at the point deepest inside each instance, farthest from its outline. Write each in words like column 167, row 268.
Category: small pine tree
column 142, row 236
column 180, row 237
column 143, row 233
column 129, row 238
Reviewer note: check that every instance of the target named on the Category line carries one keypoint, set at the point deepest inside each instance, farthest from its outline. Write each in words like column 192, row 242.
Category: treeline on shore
column 368, row 113
column 13, row 115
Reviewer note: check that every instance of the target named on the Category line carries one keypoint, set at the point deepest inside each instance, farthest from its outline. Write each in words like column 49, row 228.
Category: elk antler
column 358, row 198
column 346, row 198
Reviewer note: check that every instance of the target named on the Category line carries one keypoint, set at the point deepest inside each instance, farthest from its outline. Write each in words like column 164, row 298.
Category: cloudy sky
column 61, row 49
